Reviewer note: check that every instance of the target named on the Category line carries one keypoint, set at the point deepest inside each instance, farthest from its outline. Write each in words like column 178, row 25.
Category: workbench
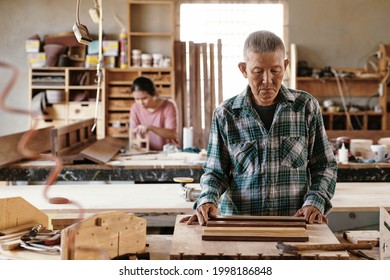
column 160, row 204
column 157, row 169
column 149, row 168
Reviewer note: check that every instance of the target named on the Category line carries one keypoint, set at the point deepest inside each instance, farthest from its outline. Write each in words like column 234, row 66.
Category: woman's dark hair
column 144, row 84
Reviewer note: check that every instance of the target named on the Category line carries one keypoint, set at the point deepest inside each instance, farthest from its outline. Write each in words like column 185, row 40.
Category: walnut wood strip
column 255, row 230
column 260, row 218
column 255, row 238
column 255, row 223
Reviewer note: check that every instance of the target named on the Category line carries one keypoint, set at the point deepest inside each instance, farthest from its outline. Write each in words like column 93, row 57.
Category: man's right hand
column 201, row 214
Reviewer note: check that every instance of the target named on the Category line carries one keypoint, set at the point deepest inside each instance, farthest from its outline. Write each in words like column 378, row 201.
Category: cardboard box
column 36, row 59
column 91, row 60
column 110, row 48
column 33, row 45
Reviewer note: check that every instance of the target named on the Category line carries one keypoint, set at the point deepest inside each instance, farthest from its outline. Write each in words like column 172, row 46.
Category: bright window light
column 206, row 23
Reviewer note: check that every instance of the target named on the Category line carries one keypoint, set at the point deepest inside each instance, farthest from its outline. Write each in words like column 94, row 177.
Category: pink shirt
column 165, row 116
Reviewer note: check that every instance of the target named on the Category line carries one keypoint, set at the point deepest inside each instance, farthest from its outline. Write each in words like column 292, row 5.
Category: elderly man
column 268, row 151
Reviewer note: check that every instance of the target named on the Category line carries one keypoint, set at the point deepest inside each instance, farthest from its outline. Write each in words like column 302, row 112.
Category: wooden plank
column 220, row 86
column 255, row 223
column 259, row 218
column 39, row 143
column 103, row 150
column 362, row 236
column 207, row 111
column 264, row 237
column 180, row 86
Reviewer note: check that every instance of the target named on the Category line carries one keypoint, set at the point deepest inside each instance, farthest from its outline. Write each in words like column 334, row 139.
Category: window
column 231, row 23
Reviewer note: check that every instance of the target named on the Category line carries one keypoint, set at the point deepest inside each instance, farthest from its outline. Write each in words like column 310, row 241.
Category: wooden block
column 103, row 150
column 104, row 235
column 138, row 143
column 362, row 236
column 15, row 211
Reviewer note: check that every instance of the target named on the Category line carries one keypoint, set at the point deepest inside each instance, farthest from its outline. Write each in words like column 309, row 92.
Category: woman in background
column 153, row 114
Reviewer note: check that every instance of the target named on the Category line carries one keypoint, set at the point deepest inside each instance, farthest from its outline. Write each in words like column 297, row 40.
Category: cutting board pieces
column 187, row 244
column 256, row 228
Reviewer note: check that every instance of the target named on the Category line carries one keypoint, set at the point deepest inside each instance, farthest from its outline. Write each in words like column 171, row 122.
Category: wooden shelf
column 69, row 110
column 353, row 88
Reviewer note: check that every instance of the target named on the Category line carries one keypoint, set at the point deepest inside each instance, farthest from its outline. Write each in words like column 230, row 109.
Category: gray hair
column 263, row 42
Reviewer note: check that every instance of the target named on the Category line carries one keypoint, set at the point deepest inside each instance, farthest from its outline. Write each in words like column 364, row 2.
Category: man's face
column 264, row 72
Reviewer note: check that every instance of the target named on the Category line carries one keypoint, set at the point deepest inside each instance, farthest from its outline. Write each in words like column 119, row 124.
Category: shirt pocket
column 293, row 152
column 245, row 158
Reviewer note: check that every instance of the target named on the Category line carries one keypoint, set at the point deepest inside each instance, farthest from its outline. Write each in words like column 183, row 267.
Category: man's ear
column 242, row 67
column 286, row 63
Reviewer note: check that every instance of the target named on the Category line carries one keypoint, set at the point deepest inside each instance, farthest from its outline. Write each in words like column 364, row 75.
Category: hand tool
column 294, row 249
column 360, row 254
column 384, row 232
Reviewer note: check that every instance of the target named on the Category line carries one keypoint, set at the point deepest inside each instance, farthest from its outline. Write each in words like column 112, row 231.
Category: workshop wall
column 338, row 33
column 333, row 32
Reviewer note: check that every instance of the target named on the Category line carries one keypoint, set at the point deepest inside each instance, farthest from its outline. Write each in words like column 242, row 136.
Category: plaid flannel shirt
column 252, row 171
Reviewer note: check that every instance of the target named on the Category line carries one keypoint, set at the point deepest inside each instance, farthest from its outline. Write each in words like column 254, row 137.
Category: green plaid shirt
column 252, row 171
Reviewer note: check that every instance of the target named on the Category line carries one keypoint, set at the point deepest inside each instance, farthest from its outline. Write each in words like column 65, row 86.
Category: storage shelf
column 356, row 89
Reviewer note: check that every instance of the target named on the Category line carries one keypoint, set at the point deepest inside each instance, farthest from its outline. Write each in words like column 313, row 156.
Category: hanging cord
column 99, row 67
column 78, row 13
column 349, row 123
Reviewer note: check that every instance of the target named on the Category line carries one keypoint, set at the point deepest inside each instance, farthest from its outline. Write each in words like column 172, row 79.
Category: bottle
column 343, row 154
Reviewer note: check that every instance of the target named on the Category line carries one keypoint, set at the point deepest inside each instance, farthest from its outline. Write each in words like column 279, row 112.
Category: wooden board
column 188, row 244
column 362, row 236
column 103, row 150
column 9, row 153
column 251, row 233
column 254, row 224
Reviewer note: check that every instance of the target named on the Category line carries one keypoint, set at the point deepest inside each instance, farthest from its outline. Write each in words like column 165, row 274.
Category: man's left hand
column 311, row 215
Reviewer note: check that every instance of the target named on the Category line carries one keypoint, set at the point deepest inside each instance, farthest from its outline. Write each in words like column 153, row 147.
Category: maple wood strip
column 255, row 223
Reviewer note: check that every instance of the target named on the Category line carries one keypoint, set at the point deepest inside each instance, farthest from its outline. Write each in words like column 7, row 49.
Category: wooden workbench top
column 165, row 198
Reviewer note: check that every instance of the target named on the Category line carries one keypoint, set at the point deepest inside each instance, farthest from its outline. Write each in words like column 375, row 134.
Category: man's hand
column 201, row 214
column 311, row 215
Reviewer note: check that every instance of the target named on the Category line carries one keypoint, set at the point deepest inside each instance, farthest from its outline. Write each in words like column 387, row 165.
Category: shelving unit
column 372, row 119
column 151, row 36
column 119, row 98
column 70, row 96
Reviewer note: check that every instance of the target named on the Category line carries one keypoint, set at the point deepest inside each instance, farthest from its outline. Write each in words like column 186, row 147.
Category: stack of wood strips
column 256, row 228
column 198, row 86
